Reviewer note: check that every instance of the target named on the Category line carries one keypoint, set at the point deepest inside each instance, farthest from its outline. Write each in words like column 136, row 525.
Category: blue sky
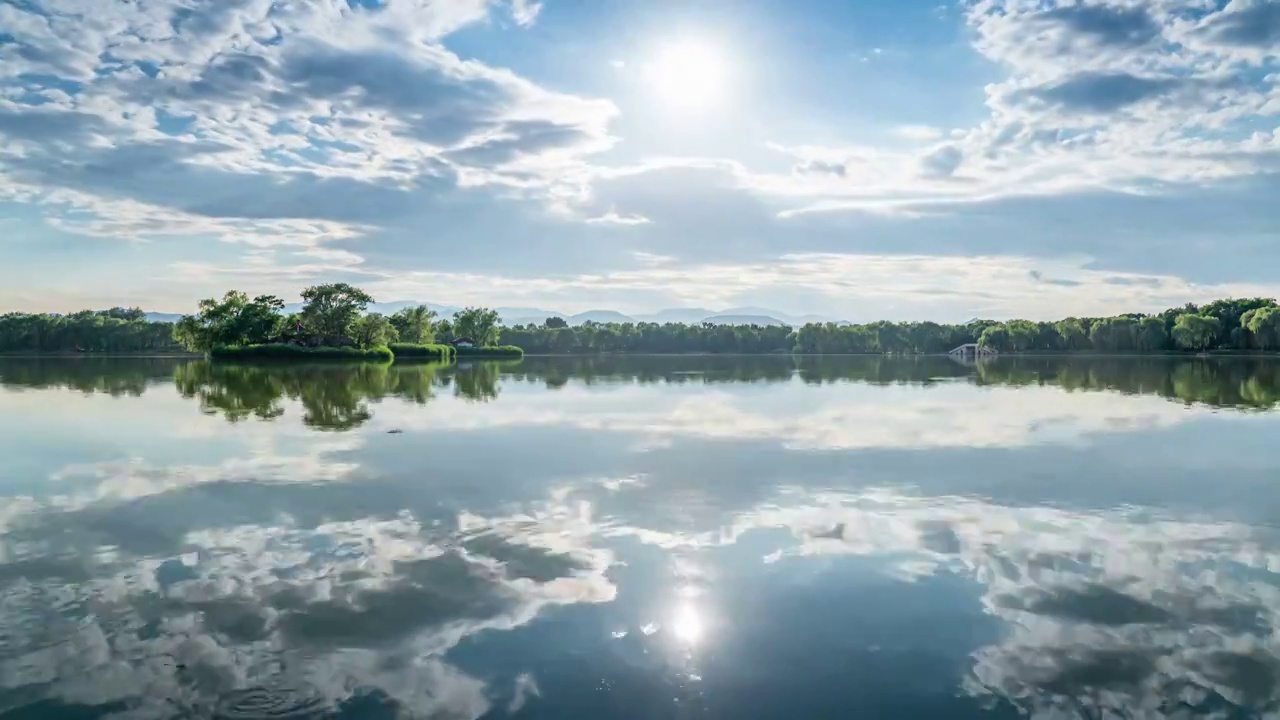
column 858, row 160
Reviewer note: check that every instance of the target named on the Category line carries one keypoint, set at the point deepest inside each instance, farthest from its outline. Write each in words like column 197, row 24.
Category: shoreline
column 483, row 356
column 101, row 356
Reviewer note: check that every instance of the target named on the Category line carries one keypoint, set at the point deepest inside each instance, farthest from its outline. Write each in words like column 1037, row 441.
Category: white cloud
column 310, row 127
column 613, row 218
column 917, row 287
column 235, row 119
column 1111, row 96
column 920, row 133
column 524, row 12
column 827, row 417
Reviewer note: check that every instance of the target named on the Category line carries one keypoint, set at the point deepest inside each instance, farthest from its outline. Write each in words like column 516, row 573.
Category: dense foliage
column 493, row 351
column 118, row 330
column 280, row 351
column 1244, row 324
column 558, row 339
column 332, row 316
column 415, row 325
column 424, row 351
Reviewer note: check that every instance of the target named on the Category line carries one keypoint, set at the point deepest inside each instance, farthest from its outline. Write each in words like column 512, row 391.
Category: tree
column 127, row 314
column 233, row 320
column 995, row 337
column 555, row 322
column 1072, row 334
column 329, row 311
column 479, row 324
column 372, row 330
column 260, row 321
column 415, row 324
column 1195, row 332
column 1114, row 334
column 1149, row 334
column 1230, row 314
column 1264, row 325
column 1022, row 335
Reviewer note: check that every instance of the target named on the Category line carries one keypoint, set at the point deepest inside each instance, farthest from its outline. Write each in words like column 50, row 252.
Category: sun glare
column 687, row 625
column 688, row 75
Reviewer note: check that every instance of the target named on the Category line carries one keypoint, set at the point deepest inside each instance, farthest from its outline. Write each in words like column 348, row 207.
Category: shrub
column 495, row 351
column 416, row 351
column 279, row 351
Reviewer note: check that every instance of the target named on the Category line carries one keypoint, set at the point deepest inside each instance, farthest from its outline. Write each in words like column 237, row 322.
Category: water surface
column 640, row 538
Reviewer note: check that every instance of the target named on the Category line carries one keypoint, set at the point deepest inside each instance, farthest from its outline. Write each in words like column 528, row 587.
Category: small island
column 332, row 324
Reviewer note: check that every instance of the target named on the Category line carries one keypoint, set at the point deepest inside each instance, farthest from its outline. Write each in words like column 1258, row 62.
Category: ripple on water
column 273, row 703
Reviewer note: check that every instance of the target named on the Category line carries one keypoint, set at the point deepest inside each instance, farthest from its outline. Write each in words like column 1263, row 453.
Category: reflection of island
column 336, row 396
column 333, row 397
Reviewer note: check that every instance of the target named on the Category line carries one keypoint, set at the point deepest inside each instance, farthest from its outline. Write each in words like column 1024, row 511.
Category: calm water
column 640, row 538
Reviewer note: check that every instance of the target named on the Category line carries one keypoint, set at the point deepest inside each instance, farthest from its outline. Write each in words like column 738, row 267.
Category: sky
column 856, row 160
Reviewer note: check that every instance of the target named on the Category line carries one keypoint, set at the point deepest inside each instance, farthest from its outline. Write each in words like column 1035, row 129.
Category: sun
column 688, row 74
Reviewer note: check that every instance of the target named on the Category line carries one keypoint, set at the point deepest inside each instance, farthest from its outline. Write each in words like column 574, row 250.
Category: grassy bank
column 412, row 351
column 298, row 352
column 497, row 351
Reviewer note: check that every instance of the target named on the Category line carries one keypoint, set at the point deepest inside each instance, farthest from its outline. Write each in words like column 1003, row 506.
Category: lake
column 640, row 537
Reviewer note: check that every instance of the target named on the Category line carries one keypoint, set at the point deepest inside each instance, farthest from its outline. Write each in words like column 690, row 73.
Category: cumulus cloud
column 918, row 285
column 248, row 114
column 1104, row 92
column 359, row 611
column 1097, row 96
column 1245, row 23
column 943, row 162
column 348, row 135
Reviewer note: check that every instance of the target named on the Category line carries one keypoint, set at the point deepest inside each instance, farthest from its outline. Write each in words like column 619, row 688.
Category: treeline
column 554, row 337
column 118, row 330
column 332, row 316
column 1232, row 324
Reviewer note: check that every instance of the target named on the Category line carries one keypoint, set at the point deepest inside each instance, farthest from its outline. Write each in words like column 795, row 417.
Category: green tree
column 1264, row 325
column 1230, row 314
column 1149, row 335
column 233, row 320
column 555, row 322
column 1022, row 335
column 329, row 311
column 1073, row 335
column 479, row 324
column 996, row 337
column 372, row 330
column 1195, row 332
column 127, row 314
column 415, row 324
column 1114, row 334
column 260, row 321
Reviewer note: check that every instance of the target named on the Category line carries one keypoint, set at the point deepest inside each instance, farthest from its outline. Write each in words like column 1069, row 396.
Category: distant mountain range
column 525, row 315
